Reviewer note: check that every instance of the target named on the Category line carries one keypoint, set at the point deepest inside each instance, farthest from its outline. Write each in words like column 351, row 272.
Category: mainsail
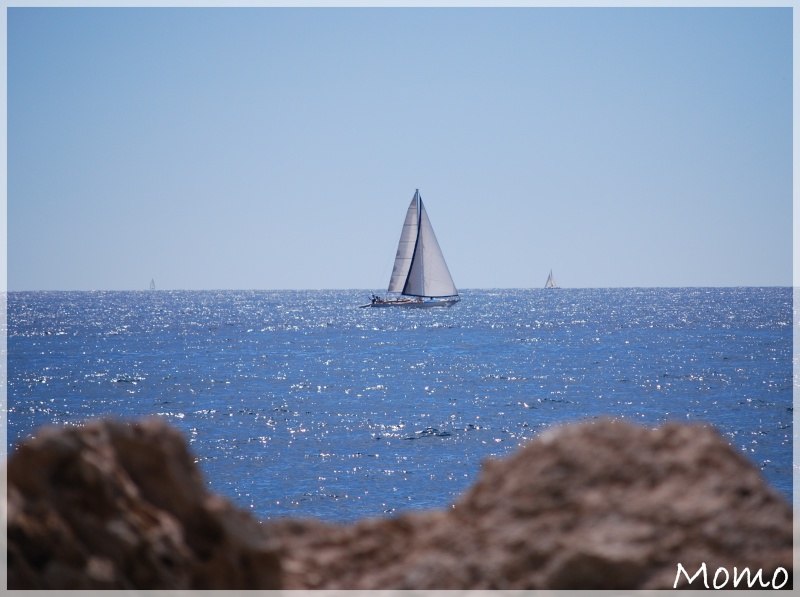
column 551, row 283
column 405, row 248
column 419, row 266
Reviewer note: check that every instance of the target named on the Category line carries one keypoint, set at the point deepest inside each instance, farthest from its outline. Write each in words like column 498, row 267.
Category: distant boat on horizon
column 152, row 284
column 551, row 283
column 420, row 272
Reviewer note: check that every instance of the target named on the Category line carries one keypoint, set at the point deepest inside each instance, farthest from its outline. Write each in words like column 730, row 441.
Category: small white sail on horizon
column 551, row 283
column 420, row 273
column 152, row 284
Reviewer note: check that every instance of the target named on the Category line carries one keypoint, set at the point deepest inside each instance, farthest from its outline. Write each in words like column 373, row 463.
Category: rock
column 117, row 506
column 602, row 505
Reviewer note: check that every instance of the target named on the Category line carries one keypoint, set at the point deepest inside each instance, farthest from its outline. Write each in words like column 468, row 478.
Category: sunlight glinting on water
column 297, row 402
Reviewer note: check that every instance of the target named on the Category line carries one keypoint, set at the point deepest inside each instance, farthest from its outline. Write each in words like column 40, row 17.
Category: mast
column 417, row 200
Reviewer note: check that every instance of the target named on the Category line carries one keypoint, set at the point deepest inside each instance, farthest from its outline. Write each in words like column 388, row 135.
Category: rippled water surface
column 298, row 403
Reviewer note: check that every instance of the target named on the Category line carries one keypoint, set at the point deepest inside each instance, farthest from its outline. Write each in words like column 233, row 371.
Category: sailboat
column 420, row 272
column 551, row 283
column 152, row 284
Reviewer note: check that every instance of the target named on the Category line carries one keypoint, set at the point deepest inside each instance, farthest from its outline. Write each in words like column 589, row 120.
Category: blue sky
column 273, row 148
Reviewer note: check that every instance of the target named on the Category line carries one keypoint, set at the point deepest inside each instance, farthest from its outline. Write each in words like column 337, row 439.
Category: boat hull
column 412, row 303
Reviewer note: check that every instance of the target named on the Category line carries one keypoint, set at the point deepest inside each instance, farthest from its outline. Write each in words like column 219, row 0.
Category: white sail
column 428, row 274
column 551, row 283
column 405, row 248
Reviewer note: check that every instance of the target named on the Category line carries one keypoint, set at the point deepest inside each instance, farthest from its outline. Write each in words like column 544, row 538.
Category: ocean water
column 298, row 403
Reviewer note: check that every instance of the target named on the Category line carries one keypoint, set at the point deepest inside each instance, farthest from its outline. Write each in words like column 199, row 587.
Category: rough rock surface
column 117, row 506
column 597, row 505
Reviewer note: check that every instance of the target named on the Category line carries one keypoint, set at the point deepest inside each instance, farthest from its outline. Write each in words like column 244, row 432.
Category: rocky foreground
column 601, row 505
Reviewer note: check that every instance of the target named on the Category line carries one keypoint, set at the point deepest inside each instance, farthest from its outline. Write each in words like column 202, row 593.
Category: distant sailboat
column 152, row 284
column 551, row 283
column 420, row 273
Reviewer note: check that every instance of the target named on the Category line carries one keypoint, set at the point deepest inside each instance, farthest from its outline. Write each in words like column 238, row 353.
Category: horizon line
column 384, row 291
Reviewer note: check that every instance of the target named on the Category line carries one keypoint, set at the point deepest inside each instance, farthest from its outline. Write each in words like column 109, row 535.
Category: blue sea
column 298, row 403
